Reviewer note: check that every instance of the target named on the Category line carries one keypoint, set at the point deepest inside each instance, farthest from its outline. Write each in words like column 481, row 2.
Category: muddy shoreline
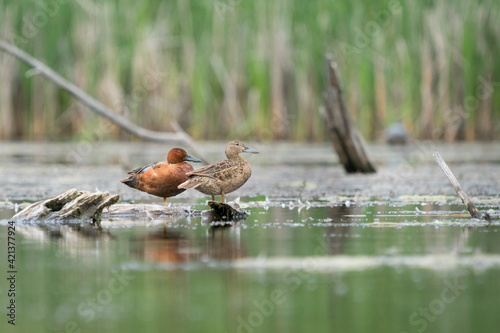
column 285, row 171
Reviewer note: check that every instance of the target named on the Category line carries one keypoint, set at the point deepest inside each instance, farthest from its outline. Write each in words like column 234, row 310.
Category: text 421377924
column 11, row 272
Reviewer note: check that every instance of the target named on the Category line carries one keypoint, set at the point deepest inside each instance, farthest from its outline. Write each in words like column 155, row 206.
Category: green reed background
column 254, row 69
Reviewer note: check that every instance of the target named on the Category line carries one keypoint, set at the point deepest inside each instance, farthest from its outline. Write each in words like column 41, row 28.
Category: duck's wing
column 145, row 168
column 213, row 170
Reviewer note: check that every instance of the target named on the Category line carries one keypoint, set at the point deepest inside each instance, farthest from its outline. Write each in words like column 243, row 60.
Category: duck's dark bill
column 250, row 150
column 192, row 159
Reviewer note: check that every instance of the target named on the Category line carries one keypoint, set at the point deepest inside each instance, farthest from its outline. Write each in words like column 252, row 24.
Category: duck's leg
column 164, row 201
column 222, row 196
column 213, row 197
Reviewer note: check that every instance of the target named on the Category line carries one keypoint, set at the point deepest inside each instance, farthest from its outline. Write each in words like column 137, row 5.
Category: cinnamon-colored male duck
column 162, row 178
column 224, row 176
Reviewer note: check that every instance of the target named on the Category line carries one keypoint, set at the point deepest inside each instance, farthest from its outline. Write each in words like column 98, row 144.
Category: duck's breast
column 164, row 179
column 240, row 173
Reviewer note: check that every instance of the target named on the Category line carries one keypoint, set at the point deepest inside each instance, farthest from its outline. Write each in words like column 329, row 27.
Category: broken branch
column 474, row 212
column 95, row 105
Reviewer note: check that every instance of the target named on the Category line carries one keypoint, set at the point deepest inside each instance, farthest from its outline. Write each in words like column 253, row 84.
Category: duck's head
column 234, row 148
column 178, row 155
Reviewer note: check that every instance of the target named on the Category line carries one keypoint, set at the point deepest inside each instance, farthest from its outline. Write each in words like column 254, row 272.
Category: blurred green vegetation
column 254, row 69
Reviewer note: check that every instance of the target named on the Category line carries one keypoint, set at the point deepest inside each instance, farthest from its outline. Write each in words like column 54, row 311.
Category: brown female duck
column 162, row 178
column 224, row 176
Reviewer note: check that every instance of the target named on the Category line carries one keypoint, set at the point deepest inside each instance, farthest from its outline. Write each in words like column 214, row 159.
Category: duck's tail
column 131, row 181
column 190, row 183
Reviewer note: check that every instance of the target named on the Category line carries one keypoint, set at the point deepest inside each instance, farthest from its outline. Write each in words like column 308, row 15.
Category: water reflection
column 64, row 234
column 276, row 231
column 338, row 234
column 327, row 264
column 221, row 243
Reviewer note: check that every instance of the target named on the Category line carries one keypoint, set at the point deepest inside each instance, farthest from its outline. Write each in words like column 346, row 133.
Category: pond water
column 320, row 251
column 289, row 267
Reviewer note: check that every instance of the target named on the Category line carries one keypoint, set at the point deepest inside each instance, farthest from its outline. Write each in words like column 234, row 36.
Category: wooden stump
column 223, row 212
column 347, row 140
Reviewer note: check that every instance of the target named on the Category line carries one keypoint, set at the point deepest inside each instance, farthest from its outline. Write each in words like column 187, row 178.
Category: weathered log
column 85, row 206
column 178, row 136
column 147, row 210
column 70, row 205
column 347, row 140
column 474, row 212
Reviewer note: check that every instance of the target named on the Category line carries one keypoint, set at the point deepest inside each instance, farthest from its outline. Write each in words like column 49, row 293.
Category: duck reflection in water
column 170, row 246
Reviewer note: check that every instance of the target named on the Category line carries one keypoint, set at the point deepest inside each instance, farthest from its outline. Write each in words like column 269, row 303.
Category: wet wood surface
column 226, row 211
column 87, row 206
column 346, row 138
column 72, row 204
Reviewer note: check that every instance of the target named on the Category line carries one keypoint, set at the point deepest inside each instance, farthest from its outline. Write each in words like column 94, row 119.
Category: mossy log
column 224, row 212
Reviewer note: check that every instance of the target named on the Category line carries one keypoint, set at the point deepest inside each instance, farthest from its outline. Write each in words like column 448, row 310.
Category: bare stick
column 93, row 104
column 456, row 186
